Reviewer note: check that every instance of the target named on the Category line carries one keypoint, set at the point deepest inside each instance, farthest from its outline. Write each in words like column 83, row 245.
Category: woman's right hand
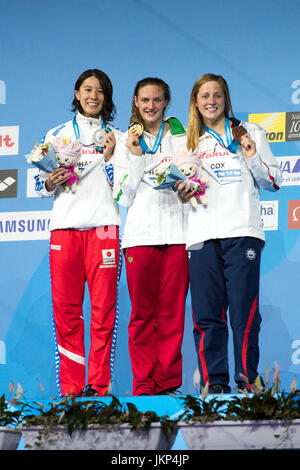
column 184, row 190
column 58, row 177
column 133, row 144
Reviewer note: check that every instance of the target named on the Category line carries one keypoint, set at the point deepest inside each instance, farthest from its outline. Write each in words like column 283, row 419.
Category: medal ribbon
column 232, row 144
column 157, row 142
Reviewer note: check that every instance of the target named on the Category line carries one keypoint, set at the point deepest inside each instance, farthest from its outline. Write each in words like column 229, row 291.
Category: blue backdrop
column 44, row 46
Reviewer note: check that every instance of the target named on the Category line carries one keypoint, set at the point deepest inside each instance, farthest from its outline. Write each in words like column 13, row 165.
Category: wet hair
column 135, row 114
column 195, row 124
column 108, row 111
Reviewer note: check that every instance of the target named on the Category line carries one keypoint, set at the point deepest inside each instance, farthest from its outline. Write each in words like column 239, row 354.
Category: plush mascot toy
column 68, row 153
column 189, row 164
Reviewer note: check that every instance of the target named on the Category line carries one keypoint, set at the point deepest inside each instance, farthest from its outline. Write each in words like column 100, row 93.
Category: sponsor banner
column 32, row 182
column 8, row 183
column 273, row 124
column 22, row 226
column 293, row 126
column 9, row 140
column 269, row 214
column 294, row 214
column 290, row 167
column 279, row 127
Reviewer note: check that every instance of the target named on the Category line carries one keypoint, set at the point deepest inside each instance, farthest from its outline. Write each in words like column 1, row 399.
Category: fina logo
column 2, row 92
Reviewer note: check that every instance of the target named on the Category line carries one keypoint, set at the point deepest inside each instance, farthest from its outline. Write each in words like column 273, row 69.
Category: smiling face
column 210, row 102
column 91, row 97
column 188, row 169
column 64, row 160
column 151, row 104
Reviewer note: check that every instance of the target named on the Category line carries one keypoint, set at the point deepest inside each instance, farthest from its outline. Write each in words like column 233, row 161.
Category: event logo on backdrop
column 296, row 93
column 279, row 127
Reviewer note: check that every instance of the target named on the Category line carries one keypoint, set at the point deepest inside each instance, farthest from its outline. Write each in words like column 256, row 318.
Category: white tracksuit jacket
column 233, row 210
column 92, row 205
column 155, row 217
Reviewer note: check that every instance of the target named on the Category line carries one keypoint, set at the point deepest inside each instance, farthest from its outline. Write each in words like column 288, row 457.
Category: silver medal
column 99, row 136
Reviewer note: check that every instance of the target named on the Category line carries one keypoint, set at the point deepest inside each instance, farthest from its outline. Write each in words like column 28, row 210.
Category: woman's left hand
column 109, row 146
column 248, row 146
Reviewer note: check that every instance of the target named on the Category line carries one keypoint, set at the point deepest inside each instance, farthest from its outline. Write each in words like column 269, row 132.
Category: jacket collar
column 88, row 121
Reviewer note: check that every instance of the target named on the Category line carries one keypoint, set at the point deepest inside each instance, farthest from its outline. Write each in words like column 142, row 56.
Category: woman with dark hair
column 153, row 241
column 108, row 110
column 226, row 237
column 84, row 243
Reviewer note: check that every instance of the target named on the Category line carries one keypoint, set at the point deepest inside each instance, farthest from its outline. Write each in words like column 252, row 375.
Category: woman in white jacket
column 153, row 241
column 84, row 244
column 225, row 237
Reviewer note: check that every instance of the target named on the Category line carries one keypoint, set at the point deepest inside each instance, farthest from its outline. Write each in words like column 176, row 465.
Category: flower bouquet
column 165, row 178
column 43, row 157
column 185, row 167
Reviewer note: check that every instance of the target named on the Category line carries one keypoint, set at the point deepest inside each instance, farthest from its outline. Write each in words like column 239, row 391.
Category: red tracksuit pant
column 77, row 257
column 158, row 282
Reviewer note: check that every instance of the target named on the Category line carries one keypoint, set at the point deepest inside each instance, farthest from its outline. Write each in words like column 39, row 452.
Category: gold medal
column 136, row 128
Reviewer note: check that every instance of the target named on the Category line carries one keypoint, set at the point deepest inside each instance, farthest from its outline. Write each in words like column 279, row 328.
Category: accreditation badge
column 155, row 165
column 225, row 166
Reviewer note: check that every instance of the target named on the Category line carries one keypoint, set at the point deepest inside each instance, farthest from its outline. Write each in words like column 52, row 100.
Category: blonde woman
column 225, row 238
